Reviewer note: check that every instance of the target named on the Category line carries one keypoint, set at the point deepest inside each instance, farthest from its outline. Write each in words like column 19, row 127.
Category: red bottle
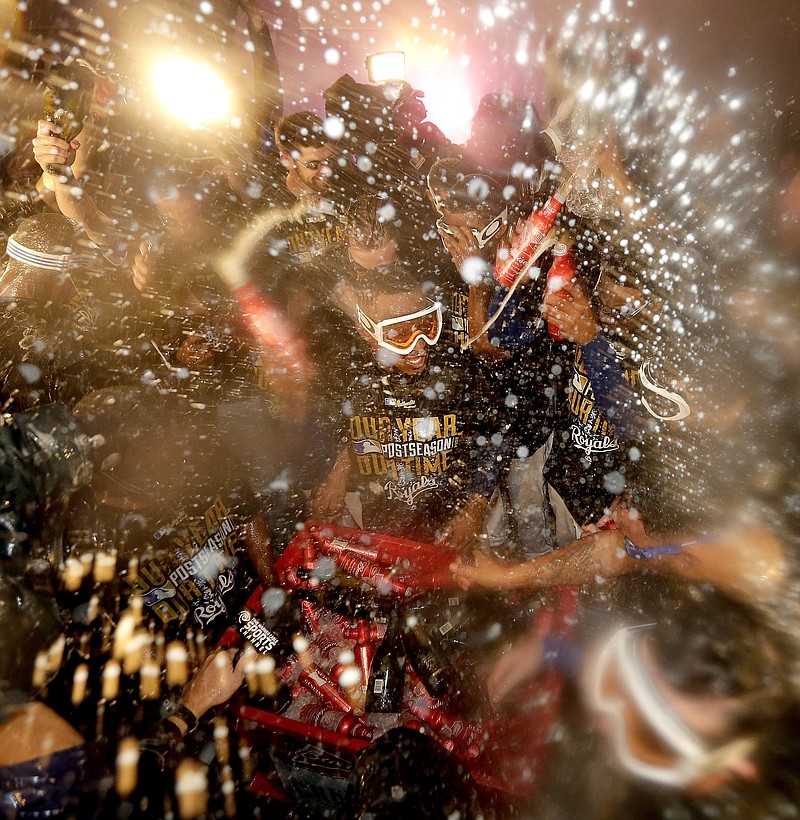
column 338, row 546
column 310, row 613
column 466, row 736
column 532, row 235
column 376, row 631
column 561, row 271
column 338, row 722
column 269, row 327
column 372, row 573
column 316, row 681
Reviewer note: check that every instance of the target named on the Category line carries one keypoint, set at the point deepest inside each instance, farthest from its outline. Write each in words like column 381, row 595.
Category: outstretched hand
column 213, row 683
column 520, row 663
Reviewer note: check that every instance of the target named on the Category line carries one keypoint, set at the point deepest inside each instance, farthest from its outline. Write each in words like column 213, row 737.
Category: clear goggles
column 651, row 741
column 401, row 333
column 482, row 236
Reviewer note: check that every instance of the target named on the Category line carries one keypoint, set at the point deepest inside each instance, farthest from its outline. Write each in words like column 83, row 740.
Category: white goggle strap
column 677, row 775
column 554, row 138
column 40, row 259
column 435, row 199
column 658, row 714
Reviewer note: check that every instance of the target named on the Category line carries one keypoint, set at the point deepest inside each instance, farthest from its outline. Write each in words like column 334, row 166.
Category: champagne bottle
column 385, row 687
column 433, row 668
column 531, row 235
column 66, row 99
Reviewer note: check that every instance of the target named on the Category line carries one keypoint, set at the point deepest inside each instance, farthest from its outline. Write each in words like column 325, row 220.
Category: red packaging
column 424, row 566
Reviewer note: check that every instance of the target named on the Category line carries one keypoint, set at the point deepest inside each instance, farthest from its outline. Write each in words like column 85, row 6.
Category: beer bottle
column 561, row 271
column 66, row 97
column 530, row 237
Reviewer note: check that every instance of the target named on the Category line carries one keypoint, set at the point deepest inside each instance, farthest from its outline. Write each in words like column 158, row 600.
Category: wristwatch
column 187, row 716
column 639, row 553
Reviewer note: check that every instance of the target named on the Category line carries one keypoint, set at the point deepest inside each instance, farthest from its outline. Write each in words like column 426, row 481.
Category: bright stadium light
column 386, row 66
column 192, row 91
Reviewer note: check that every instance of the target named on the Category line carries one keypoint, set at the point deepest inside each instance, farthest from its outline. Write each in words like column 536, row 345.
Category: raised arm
column 69, row 196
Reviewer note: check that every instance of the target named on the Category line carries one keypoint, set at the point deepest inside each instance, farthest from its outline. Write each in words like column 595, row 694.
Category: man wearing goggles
column 695, row 700
column 658, row 733
column 466, row 223
column 448, row 228
column 683, row 716
column 411, row 422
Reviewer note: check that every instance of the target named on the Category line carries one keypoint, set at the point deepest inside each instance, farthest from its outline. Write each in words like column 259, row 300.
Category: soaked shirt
column 601, row 419
column 190, row 562
column 415, row 445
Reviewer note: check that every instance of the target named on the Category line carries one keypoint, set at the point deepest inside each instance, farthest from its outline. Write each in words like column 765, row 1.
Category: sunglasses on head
column 401, row 333
column 482, row 236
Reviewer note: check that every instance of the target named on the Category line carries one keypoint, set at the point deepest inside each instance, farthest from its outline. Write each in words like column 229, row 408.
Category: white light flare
column 191, row 91
column 450, row 105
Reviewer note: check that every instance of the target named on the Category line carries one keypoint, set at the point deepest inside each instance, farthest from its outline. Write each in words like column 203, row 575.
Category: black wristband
column 187, row 716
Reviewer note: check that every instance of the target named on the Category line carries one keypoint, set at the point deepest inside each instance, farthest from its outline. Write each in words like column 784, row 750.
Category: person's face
column 309, row 168
column 416, row 361
column 183, row 219
column 411, row 112
column 367, row 259
column 412, row 364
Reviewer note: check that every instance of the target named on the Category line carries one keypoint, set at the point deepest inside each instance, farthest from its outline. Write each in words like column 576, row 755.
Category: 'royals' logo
column 409, row 492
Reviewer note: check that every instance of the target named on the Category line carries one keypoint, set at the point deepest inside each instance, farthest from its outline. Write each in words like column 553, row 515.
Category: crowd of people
column 541, row 355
